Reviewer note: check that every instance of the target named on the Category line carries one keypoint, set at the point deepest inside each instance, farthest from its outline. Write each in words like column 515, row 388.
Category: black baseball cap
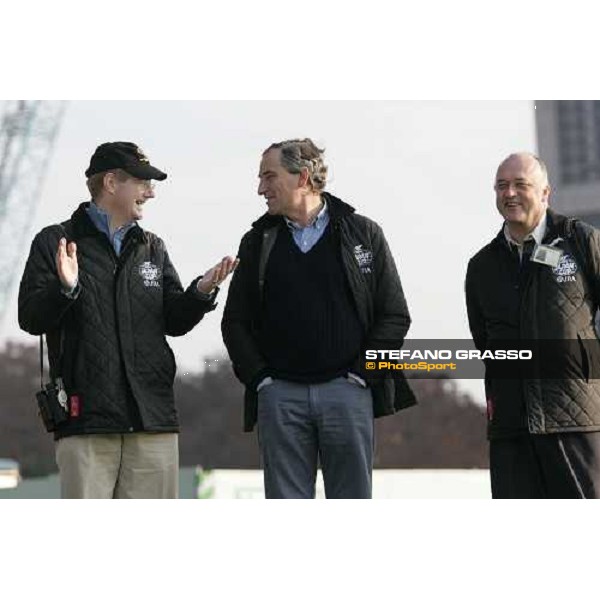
column 126, row 156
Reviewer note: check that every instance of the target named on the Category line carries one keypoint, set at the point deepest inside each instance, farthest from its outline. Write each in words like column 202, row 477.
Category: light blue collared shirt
column 307, row 237
column 101, row 220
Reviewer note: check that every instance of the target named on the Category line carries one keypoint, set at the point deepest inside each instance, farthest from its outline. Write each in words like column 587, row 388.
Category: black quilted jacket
column 113, row 334
column 375, row 286
column 550, row 306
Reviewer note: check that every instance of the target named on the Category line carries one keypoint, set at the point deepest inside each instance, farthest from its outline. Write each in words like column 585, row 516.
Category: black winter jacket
column 112, row 334
column 553, row 304
column 375, row 287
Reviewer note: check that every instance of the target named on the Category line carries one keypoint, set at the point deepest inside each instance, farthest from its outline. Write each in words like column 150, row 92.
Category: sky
column 422, row 169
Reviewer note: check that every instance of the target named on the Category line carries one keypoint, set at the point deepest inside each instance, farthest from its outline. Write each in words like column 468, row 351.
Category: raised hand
column 213, row 277
column 66, row 264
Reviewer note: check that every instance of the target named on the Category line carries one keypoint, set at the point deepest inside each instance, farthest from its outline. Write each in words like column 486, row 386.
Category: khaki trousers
column 132, row 465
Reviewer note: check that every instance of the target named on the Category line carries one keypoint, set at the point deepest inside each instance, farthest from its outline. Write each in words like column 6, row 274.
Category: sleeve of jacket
column 391, row 317
column 238, row 324
column 474, row 313
column 590, row 238
column 42, row 304
column 183, row 310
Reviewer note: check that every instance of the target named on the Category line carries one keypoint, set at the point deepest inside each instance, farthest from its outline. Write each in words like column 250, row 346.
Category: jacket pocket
column 172, row 362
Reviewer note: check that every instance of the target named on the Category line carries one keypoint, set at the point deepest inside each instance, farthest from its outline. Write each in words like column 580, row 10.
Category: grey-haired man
column 316, row 283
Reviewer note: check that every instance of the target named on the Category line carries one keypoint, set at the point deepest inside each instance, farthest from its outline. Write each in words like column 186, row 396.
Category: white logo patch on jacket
column 150, row 274
column 566, row 269
column 364, row 257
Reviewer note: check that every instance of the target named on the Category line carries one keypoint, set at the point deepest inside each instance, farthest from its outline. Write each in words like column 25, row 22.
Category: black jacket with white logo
column 547, row 304
column 373, row 279
column 108, row 344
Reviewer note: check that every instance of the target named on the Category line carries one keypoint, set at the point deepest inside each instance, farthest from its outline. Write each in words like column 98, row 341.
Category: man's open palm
column 66, row 263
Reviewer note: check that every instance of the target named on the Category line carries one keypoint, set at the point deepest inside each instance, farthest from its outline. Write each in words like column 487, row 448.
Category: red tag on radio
column 74, row 403
column 490, row 409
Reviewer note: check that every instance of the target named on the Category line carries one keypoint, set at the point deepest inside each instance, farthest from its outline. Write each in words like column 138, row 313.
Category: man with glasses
column 539, row 279
column 105, row 293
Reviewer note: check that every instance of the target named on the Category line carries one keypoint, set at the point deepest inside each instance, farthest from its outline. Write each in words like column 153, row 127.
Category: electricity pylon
column 28, row 130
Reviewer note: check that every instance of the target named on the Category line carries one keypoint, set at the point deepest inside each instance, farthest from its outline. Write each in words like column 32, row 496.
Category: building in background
column 568, row 139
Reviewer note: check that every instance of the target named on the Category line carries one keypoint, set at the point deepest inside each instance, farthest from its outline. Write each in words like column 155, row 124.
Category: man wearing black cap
column 105, row 293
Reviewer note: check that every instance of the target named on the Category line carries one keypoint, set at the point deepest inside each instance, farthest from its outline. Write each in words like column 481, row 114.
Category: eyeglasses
column 146, row 184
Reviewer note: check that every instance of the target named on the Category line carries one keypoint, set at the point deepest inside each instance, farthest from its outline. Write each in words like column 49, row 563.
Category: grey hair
column 303, row 153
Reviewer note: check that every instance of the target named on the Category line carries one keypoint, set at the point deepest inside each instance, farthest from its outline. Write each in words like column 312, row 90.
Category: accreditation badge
column 547, row 255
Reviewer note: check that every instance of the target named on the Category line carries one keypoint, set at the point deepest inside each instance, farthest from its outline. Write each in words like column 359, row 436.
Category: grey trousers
column 132, row 465
column 300, row 425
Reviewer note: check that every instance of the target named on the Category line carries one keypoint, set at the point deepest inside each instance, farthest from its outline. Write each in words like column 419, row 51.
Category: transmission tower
column 28, row 129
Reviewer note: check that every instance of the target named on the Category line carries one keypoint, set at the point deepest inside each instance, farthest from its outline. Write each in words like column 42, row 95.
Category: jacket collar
column 555, row 227
column 337, row 209
column 83, row 225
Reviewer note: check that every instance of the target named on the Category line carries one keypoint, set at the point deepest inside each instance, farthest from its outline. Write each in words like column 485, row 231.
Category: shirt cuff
column 264, row 383
column 357, row 379
column 73, row 292
column 203, row 295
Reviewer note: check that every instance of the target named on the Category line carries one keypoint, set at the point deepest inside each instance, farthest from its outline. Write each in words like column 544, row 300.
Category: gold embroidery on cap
column 141, row 155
